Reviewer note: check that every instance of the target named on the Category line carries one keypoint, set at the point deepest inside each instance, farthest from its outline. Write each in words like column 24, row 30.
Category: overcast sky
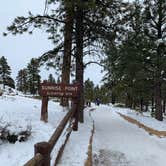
column 21, row 48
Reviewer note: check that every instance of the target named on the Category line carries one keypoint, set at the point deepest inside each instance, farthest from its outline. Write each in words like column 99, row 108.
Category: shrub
column 7, row 135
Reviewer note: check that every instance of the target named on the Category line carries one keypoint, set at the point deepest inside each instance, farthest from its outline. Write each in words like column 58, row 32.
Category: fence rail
column 42, row 150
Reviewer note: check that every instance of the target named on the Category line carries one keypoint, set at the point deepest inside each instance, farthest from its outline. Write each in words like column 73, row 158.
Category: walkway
column 117, row 142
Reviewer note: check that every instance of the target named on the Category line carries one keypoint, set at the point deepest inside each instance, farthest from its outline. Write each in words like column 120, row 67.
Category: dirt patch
column 151, row 131
column 89, row 159
column 110, row 158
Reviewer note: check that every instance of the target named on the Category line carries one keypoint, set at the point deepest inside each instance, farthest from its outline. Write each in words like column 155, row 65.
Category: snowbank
column 144, row 118
column 21, row 112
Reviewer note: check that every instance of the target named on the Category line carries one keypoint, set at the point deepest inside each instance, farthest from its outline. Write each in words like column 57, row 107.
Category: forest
column 128, row 39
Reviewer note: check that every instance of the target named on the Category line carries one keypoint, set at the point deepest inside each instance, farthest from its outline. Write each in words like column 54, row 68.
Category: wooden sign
column 59, row 90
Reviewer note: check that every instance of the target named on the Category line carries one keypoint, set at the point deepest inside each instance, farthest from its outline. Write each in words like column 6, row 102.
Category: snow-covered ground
column 21, row 112
column 120, row 143
column 116, row 142
column 144, row 118
column 76, row 150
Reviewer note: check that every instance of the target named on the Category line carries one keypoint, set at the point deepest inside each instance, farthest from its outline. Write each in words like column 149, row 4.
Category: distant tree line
column 92, row 92
column 28, row 79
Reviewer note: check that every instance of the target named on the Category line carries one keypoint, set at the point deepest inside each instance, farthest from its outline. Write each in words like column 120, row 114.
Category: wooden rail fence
column 42, row 150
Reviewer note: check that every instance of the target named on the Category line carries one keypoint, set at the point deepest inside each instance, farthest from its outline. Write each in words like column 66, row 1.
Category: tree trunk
column 68, row 30
column 152, row 104
column 146, row 106
column 158, row 81
column 141, row 104
column 164, row 103
column 158, row 110
column 79, row 57
column 129, row 101
column 113, row 99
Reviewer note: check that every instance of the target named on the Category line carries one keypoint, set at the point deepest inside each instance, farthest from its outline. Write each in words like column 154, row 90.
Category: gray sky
column 21, row 48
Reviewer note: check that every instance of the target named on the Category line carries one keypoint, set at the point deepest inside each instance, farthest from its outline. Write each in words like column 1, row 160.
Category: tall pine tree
column 33, row 77
column 5, row 72
column 22, row 80
column 155, row 29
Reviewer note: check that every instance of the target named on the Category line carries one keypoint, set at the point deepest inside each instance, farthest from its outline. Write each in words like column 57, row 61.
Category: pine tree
column 154, row 21
column 89, row 90
column 68, row 33
column 22, row 82
column 94, row 21
column 127, row 63
column 5, row 72
column 33, row 76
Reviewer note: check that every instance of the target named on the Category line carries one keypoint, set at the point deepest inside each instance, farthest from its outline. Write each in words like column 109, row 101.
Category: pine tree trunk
column 158, row 105
column 146, row 106
column 113, row 99
column 152, row 104
column 164, row 103
column 129, row 101
column 68, row 30
column 158, row 111
column 134, row 104
column 141, row 104
column 79, row 58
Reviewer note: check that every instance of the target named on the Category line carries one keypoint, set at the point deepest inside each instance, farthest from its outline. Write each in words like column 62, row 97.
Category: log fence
column 42, row 150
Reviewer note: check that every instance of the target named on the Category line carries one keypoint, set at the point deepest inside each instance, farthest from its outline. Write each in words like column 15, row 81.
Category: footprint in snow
column 110, row 158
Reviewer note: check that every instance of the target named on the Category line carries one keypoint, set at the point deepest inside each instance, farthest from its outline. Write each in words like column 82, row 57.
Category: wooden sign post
column 59, row 90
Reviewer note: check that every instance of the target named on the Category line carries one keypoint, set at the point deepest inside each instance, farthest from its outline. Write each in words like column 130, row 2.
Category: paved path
column 118, row 143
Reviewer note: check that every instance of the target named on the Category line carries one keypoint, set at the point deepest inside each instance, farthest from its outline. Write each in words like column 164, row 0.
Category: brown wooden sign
column 59, row 90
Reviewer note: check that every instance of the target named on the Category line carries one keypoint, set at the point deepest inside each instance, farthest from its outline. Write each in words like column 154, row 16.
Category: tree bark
column 152, row 104
column 164, row 103
column 79, row 57
column 68, row 30
column 141, row 104
column 158, row 81
column 113, row 99
column 158, row 105
column 129, row 101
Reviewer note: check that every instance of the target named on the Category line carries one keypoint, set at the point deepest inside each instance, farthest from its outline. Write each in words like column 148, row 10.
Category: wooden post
column 44, row 149
column 44, row 111
column 75, row 116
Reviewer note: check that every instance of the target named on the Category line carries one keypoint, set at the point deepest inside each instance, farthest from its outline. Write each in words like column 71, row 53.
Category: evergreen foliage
column 5, row 72
column 22, row 80
column 132, row 34
column 89, row 90
column 135, row 65
column 33, row 77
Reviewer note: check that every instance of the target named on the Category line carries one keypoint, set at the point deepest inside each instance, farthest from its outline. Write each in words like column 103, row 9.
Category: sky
column 20, row 49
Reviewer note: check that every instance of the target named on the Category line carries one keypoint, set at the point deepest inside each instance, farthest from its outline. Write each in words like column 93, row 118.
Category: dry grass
column 151, row 131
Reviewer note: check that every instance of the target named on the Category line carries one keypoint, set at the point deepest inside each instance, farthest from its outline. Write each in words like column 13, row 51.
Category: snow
column 120, row 143
column 144, row 118
column 21, row 112
column 76, row 150
column 116, row 142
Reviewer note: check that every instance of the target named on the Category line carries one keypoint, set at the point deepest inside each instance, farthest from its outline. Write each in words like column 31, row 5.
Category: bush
column 7, row 135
